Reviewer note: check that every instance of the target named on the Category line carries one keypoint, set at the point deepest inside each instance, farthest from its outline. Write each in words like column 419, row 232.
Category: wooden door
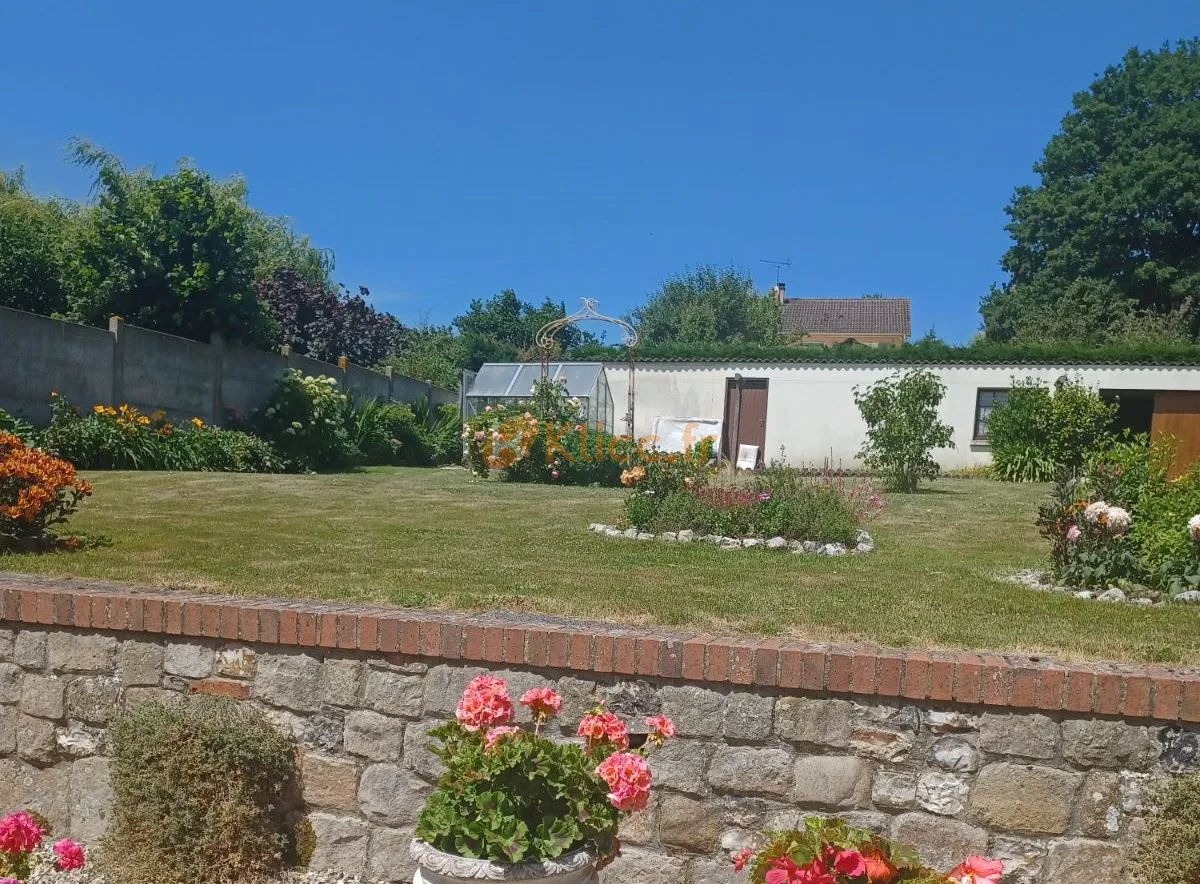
column 1177, row 413
column 745, row 416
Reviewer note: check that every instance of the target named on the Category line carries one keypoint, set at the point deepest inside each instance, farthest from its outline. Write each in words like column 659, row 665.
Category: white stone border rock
column 863, row 543
column 1041, row 581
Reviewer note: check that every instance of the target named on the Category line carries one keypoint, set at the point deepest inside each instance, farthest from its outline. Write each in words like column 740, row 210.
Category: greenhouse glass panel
column 511, row 384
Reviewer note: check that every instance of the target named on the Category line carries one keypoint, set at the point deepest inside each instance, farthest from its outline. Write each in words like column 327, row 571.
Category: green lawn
column 437, row 539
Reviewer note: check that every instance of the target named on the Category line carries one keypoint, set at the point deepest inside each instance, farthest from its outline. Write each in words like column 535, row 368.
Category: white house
column 806, row 410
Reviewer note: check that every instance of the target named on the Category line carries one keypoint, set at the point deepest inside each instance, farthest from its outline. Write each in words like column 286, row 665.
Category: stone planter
column 435, row 867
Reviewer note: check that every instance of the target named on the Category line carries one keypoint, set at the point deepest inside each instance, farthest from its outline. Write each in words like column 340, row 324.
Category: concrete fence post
column 391, row 388
column 116, row 327
column 216, row 345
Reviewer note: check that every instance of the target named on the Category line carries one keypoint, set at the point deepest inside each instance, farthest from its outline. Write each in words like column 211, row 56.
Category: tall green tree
column 431, row 353
column 170, row 253
column 1107, row 246
column 709, row 305
column 504, row 328
column 36, row 242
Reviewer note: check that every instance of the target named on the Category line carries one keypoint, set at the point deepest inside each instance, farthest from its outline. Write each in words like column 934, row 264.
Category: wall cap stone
column 1007, row 681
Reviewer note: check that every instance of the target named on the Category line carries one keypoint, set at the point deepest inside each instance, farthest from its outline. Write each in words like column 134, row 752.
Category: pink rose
column 479, row 434
column 1073, row 533
column 69, row 855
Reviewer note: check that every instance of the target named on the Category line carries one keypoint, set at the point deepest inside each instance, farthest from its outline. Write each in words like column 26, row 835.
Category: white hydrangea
column 1118, row 520
column 1096, row 511
column 1194, row 527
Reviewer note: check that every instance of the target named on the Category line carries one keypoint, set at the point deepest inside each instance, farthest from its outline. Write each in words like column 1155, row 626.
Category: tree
column 431, row 353
column 505, row 328
column 709, row 305
column 35, row 248
column 324, row 321
column 170, row 253
column 903, row 427
column 1110, row 238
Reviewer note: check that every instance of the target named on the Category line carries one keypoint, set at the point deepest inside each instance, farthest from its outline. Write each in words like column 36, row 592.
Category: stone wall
column 767, row 731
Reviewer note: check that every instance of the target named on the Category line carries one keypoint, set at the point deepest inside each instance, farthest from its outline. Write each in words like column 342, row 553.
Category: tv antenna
column 778, row 265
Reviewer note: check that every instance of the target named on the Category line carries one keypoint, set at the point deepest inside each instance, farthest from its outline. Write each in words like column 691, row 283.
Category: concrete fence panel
column 152, row 371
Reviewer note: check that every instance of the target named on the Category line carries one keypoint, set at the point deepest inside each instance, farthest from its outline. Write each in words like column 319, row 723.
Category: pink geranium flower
column 977, row 870
column 542, row 702
column 68, row 855
column 19, row 833
column 599, row 726
column 661, row 728
column 741, row 858
column 494, row 735
column 628, row 779
column 484, row 704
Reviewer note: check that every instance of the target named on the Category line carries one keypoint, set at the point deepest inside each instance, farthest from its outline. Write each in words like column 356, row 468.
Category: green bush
column 1169, row 849
column 901, row 413
column 204, row 792
column 778, row 502
column 1036, row 432
column 305, row 420
column 23, row 430
column 123, row 438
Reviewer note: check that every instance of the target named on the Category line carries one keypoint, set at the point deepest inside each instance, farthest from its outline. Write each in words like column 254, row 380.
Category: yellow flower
column 143, row 420
column 197, row 423
column 99, row 409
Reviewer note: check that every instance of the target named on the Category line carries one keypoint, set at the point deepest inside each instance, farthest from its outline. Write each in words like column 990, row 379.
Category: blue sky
column 445, row 151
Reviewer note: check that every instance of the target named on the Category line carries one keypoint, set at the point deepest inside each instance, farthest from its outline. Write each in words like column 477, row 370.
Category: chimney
column 780, row 292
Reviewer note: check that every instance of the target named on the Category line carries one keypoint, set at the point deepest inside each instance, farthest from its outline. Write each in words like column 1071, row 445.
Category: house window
column 985, row 401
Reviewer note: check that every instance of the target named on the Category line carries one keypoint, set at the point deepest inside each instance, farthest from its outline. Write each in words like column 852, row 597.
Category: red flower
column 19, row 833
column 741, row 858
column 879, row 869
column 850, row 862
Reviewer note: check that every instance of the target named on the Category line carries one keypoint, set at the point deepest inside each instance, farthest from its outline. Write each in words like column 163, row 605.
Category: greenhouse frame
column 511, row 384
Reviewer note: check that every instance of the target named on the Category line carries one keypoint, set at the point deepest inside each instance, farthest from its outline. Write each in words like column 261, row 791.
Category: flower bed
column 1122, row 529
column 776, row 507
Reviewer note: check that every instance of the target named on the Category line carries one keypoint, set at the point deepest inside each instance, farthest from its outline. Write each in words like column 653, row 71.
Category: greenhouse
column 511, row 384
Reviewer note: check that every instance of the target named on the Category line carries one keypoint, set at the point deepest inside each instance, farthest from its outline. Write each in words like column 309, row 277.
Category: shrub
column 1169, row 849
column 903, row 427
column 14, row 426
column 1037, row 432
column 213, row 449
column 305, row 420
column 203, row 793
column 37, row 491
column 512, row 795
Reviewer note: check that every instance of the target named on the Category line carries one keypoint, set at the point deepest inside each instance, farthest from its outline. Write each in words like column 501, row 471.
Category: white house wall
column 810, row 407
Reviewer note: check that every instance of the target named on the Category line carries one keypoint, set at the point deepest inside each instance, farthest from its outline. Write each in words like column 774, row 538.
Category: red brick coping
column 993, row 680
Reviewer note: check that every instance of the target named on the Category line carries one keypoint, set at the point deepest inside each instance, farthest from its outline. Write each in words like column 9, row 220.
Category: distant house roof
column 846, row 316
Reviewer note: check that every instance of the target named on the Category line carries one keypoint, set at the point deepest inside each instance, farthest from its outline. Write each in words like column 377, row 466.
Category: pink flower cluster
column 661, row 729
column 599, row 726
column 823, row 870
column 977, row 870
column 542, row 702
column 628, row 778
column 20, row 834
column 484, row 704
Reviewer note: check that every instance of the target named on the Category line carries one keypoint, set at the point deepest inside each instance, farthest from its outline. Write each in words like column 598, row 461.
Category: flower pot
column 435, row 867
